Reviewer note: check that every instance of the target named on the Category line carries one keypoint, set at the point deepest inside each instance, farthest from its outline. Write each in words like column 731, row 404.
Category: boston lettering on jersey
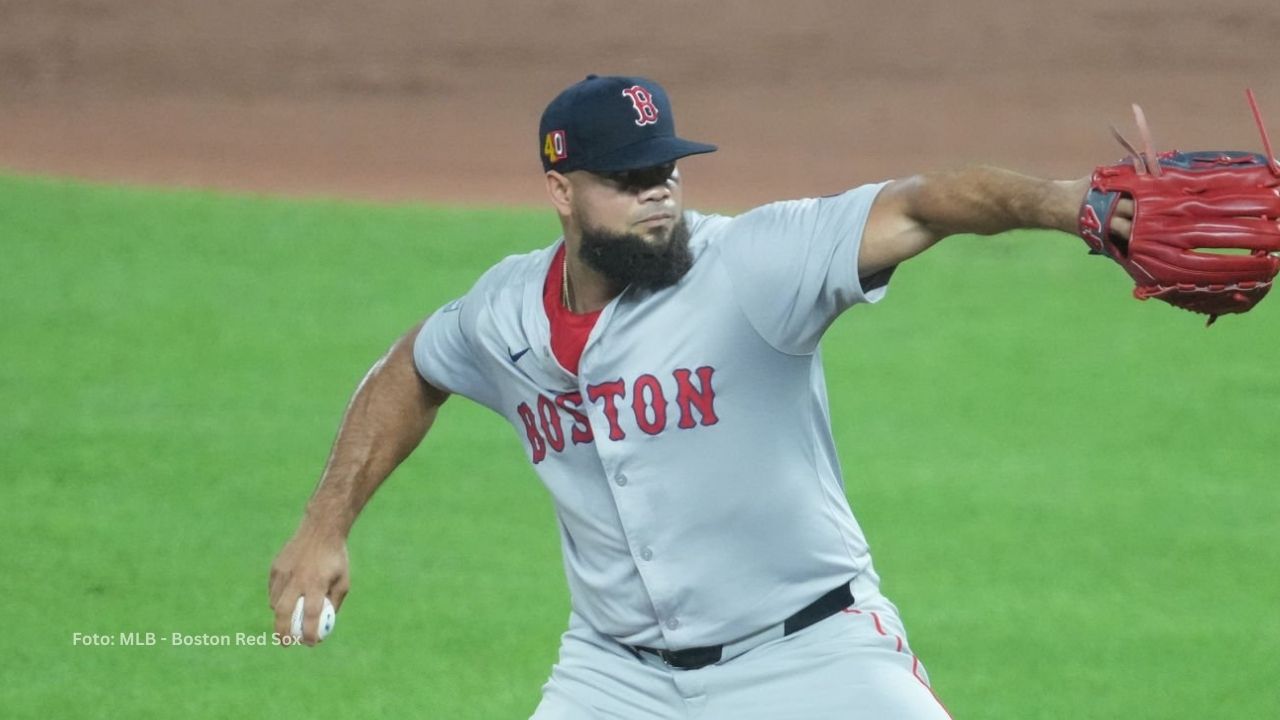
column 695, row 404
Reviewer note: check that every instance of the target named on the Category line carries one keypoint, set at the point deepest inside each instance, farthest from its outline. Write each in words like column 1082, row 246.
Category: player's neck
column 588, row 290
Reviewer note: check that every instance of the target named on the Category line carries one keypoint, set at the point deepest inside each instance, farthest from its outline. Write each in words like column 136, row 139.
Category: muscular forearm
column 911, row 215
column 987, row 201
column 389, row 415
column 391, row 411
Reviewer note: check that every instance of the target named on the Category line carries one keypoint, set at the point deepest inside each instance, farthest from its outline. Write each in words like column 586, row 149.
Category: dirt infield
column 404, row 99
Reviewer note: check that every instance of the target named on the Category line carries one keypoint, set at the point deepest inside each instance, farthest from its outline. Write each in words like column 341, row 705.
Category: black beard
column 628, row 259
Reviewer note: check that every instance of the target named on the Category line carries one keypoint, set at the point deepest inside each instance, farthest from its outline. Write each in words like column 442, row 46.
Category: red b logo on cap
column 642, row 102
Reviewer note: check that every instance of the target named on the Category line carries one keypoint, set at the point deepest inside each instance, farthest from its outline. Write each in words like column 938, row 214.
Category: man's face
column 632, row 225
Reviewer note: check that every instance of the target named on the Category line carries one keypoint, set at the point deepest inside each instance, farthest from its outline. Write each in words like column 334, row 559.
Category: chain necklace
column 564, row 286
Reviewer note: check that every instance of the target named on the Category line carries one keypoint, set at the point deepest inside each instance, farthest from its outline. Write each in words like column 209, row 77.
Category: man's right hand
column 390, row 413
column 312, row 564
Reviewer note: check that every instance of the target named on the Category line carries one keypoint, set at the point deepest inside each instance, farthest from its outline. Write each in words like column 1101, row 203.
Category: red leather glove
column 1204, row 228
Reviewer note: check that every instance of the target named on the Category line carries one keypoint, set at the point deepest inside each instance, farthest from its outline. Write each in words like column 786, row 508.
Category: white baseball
column 328, row 616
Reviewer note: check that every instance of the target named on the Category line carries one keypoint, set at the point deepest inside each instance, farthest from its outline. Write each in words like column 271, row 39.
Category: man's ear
column 560, row 190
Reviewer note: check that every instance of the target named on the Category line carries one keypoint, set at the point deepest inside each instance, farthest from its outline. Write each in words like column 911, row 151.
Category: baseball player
column 663, row 370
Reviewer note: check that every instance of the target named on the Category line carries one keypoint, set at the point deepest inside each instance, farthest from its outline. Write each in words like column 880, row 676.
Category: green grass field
column 1071, row 495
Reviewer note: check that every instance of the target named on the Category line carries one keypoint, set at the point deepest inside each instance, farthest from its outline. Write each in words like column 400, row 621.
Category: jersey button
column 673, row 623
column 621, row 480
column 646, row 554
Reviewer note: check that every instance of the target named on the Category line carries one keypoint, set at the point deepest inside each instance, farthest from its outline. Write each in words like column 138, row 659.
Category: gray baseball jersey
column 690, row 461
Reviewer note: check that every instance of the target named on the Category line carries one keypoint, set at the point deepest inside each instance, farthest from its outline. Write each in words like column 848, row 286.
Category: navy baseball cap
column 611, row 124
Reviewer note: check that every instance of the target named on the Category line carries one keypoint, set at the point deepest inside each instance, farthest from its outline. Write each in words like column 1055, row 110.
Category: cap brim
column 647, row 153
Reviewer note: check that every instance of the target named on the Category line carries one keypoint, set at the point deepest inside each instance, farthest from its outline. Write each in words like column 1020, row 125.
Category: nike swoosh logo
column 515, row 357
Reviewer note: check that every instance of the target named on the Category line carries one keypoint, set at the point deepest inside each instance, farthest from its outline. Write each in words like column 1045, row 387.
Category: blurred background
column 399, row 99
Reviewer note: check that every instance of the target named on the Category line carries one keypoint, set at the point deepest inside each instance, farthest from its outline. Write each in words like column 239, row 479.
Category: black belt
column 693, row 658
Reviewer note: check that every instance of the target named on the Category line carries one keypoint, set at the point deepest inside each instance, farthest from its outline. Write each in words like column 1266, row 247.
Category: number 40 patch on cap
column 554, row 146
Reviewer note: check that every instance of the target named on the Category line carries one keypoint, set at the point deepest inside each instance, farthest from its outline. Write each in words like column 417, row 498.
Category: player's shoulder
column 705, row 229
column 513, row 271
column 709, row 231
column 501, row 290
column 781, row 218
column 709, row 228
